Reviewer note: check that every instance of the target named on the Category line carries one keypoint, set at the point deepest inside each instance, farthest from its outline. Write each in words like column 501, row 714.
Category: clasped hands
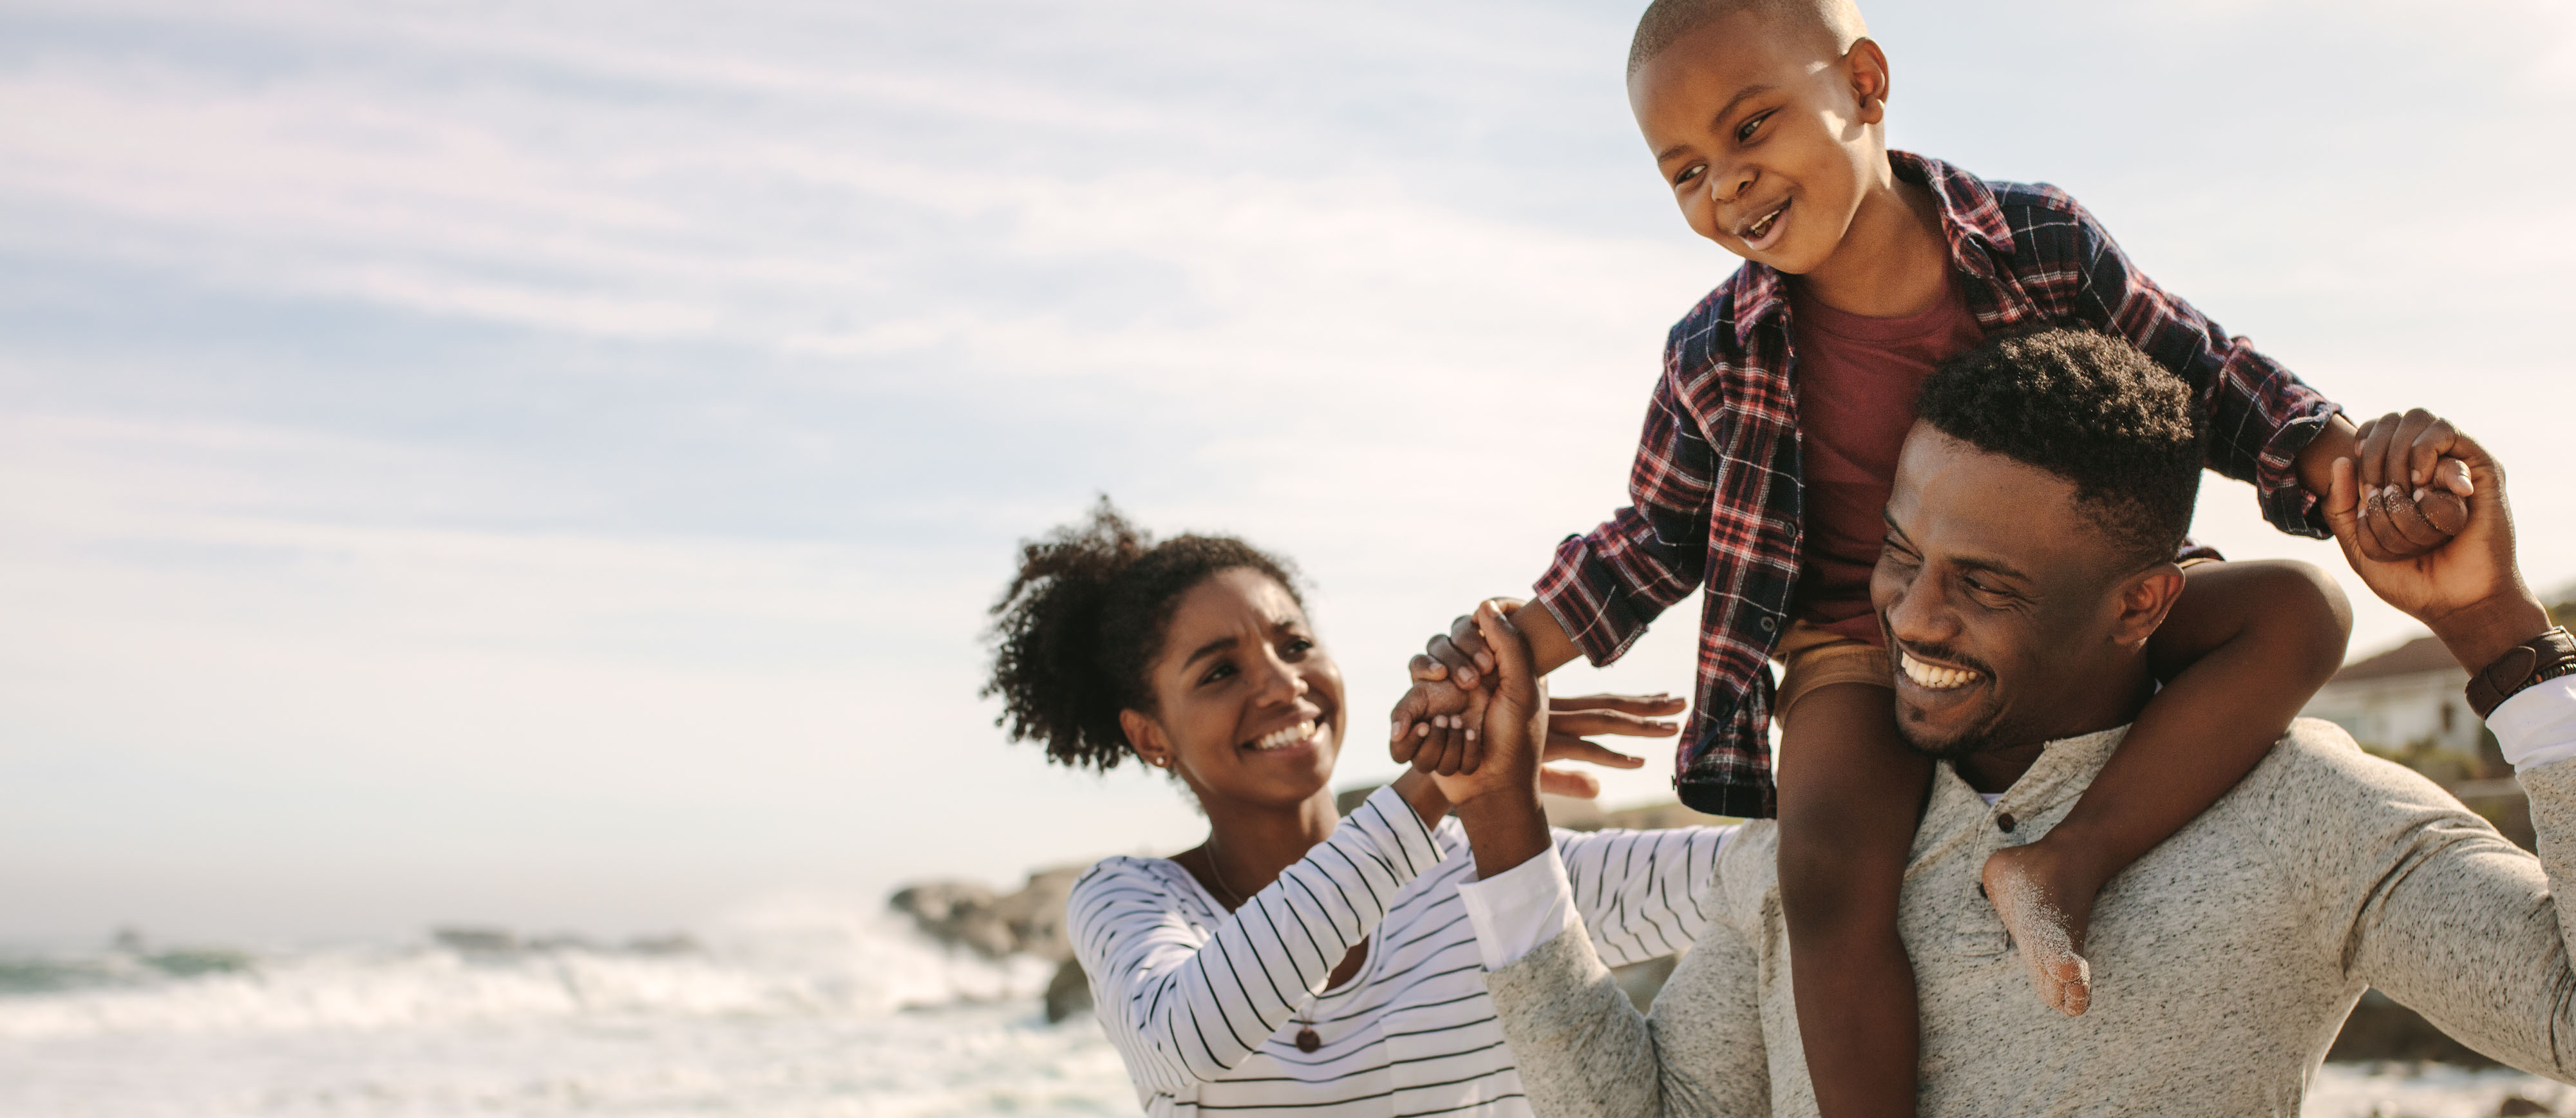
column 1488, row 724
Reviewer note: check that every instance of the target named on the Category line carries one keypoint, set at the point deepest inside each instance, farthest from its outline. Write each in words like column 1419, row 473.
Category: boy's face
column 1766, row 136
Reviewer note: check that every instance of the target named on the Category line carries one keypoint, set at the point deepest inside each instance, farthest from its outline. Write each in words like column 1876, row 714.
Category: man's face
column 1999, row 598
column 1758, row 131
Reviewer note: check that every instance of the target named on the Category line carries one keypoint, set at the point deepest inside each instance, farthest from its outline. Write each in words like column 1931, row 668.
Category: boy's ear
column 1867, row 67
column 2144, row 600
column 1145, row 736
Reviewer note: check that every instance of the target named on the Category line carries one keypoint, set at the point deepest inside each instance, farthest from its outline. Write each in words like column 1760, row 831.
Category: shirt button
column 1768, row 624
column 2005, row 821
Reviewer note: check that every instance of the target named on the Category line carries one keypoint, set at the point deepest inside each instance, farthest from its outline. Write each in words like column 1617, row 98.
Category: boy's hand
column 2412, row 485
column 1499, row 804
column 1431, row 727
column 1515, row 724
column 2470, row 592
column 1436, row 723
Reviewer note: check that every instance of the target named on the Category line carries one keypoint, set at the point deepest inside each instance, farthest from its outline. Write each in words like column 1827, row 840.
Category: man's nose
column 1918, row 615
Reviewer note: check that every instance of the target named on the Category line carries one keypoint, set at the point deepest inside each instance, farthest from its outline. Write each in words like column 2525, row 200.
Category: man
column 2227, row 958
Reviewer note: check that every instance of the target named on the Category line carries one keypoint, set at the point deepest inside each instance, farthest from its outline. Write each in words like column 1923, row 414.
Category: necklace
column 1307, row 1041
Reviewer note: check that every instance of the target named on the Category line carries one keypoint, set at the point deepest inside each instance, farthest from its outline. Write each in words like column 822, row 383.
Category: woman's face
column 1251, row 705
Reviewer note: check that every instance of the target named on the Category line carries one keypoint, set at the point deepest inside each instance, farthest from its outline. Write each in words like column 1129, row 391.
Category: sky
column 548, row 465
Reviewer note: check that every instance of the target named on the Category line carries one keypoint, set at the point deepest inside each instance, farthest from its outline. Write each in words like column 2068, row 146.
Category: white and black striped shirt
column 1205, row 1006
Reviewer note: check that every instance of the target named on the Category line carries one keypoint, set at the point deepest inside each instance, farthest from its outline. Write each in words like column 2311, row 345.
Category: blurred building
column 2405, row 699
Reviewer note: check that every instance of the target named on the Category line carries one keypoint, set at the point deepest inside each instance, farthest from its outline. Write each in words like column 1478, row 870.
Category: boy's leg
column 1850, row 796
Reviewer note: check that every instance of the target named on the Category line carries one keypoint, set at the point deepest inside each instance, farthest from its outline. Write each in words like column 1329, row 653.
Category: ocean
column 790, row 1009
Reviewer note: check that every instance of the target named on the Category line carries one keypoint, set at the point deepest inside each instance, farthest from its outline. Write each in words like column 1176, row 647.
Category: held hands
column 2413, row 485
column 1515, row 724
column 1437, row 726
column 2469, row 591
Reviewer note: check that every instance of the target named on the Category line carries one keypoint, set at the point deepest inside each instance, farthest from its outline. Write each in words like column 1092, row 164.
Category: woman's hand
column 1571, row 720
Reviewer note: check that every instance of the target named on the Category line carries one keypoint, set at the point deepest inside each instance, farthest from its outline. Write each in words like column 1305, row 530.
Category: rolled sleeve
column 1519, row 909
column 2538, row 726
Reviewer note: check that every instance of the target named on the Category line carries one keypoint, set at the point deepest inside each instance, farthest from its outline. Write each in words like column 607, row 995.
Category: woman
column 1322, row 967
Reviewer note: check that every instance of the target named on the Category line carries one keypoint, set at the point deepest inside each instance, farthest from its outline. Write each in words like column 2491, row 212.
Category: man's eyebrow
column 1998, row 566
column 1211, row 648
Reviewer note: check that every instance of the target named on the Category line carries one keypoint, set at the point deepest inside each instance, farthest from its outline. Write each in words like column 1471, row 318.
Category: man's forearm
column 2479, row 634
column 1504, row 829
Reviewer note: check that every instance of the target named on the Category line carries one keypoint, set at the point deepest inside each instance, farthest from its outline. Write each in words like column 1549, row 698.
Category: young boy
column 1767, row 457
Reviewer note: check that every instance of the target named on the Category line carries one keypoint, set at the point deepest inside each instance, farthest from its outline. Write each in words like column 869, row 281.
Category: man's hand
column 2470, row 591
column 1498, row 802
column 1435, row 725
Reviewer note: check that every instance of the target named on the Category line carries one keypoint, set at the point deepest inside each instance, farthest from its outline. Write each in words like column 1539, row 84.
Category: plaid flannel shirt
column 1716, row 490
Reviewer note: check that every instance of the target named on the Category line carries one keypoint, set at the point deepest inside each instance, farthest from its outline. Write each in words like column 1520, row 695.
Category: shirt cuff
column 2537, row 726
column 1519, row 909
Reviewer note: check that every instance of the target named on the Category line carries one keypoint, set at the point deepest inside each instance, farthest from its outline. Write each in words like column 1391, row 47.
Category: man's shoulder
column 2319, row 764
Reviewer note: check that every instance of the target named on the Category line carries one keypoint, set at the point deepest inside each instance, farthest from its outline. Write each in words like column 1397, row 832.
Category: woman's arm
column 1185, row 1008
column 1641, row 892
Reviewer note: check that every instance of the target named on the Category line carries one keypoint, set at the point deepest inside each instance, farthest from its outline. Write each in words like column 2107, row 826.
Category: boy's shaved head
column 1666, row 21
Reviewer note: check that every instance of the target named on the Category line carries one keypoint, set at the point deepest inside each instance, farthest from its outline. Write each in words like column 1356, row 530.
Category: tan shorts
column 1811, row 657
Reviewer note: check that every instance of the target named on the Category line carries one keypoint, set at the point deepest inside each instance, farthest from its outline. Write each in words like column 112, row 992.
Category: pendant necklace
column 1307, row 1041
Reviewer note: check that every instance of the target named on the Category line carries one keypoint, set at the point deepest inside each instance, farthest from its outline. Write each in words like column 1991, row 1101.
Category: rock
column 2515, row 1106
column 1068, row 994
column 475, row 939
column 1027, row 922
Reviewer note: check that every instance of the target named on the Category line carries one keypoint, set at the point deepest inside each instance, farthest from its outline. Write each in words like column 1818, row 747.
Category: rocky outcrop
column 994, row 924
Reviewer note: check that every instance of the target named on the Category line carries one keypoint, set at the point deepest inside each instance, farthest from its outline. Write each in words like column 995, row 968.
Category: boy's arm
column 2244, row 648
column 1599, row 593
column 2262, row 419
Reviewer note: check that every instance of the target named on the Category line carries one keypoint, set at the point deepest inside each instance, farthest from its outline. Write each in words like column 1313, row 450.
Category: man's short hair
column 1666, row 21
column 2088, row 408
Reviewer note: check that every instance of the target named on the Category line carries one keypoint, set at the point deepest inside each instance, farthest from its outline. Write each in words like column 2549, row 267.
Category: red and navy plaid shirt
column 1716, row 486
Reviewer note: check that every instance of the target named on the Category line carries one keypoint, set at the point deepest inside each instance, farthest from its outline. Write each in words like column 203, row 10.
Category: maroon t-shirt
column 1857, row 378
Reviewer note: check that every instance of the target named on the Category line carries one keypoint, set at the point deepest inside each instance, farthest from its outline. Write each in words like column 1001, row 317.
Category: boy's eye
column 1296, row 648
column 1744, row 132
column 1222, row 670
column 1689, row 173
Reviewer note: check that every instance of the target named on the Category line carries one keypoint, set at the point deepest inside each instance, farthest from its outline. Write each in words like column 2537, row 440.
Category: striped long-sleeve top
column 1205, row 1005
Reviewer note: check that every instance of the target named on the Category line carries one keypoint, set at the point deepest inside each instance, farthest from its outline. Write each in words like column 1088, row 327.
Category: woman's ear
column 1145, row 736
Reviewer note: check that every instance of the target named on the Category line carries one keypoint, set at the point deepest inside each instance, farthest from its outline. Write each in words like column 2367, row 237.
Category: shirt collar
column 2065, row 768
column 1971, row 220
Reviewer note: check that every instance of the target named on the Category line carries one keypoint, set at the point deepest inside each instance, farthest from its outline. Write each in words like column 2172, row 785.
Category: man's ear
column 1145, row 736
column 1869, row 79
column 2144, row 599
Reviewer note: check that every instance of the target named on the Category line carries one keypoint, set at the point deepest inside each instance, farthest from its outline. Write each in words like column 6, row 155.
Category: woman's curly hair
column 1082, row 622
